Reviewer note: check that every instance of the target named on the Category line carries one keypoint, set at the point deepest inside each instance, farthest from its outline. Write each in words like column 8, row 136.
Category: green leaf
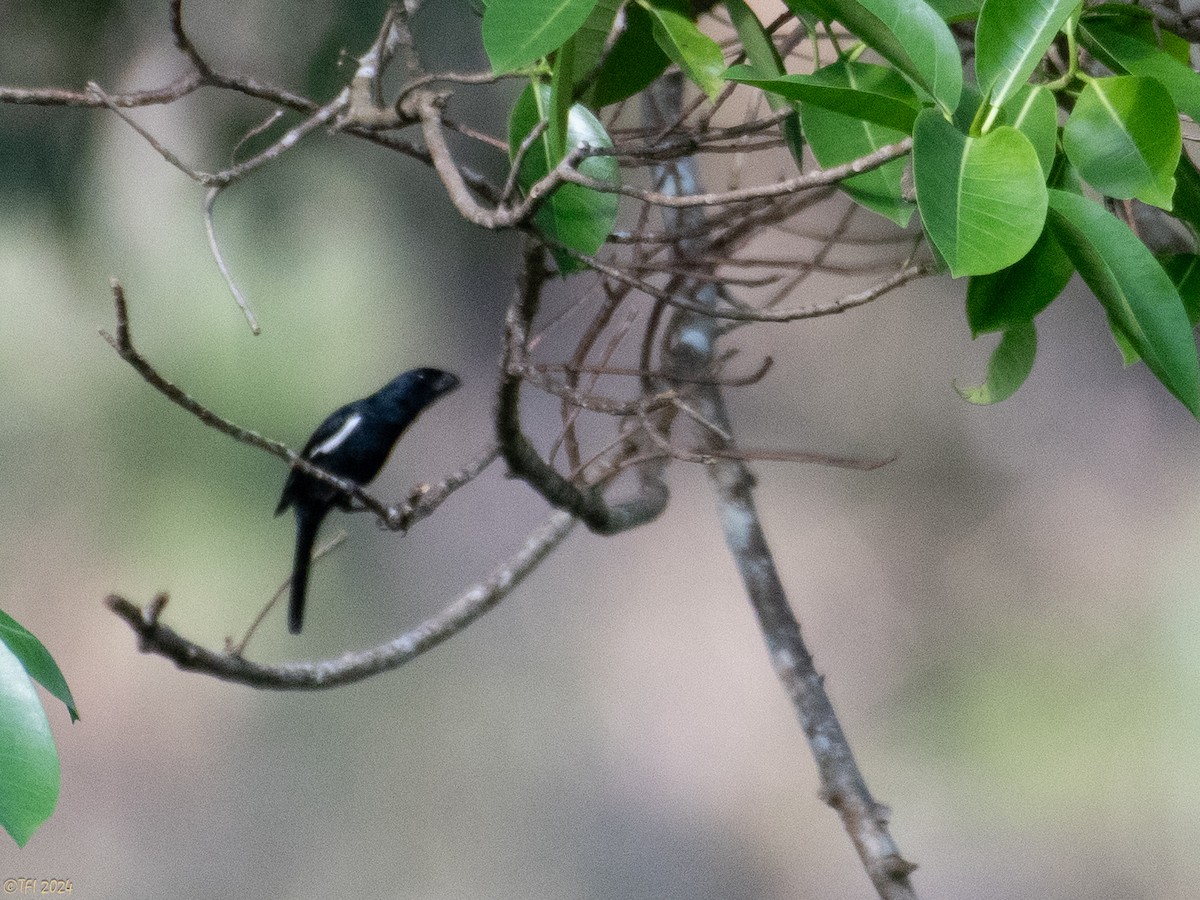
column 876, row 94
column 765, row 60
column 592, row 36
column 1064, row 176
column 1033, row 112
column 809, row 10
column 1016, row 294
column 29, row 788
column 690, row 48
column 1124, row 137
column 1142, row 22
column 982, row 199
column 760, row 49
column 1139, row 297
column 1129, row 355
column 1139, row 47
column 1185, row 205
column 633, row 63
column 911, row 36
column 579, row 217
column 517, row 33
column 1184, row 271
column 1011, row 39
column 837, row 138
column 562, row 96
column 37, row 661
column 969, row 103
column 957, row 10
column 1010, row 365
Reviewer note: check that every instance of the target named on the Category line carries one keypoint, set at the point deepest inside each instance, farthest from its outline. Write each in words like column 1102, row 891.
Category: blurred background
column 1007, row 615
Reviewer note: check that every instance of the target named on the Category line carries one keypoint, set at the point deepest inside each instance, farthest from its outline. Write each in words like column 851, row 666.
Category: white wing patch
column 338, row 438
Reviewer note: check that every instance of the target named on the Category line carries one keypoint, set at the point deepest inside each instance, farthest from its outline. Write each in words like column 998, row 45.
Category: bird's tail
column 307, row 526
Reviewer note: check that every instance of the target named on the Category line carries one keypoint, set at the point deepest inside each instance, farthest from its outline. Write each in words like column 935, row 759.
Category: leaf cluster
column 1026, row 167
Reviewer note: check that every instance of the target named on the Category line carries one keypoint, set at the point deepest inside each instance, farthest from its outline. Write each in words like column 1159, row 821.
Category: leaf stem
column 1073, row 70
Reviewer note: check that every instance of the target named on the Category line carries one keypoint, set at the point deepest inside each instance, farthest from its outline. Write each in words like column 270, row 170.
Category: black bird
column 352, row 443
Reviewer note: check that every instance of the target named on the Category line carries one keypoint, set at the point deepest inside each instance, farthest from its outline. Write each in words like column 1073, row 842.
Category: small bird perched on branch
column 353, row 443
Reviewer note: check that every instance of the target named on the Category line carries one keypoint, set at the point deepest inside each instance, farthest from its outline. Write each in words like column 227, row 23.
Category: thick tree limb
column 690, row 346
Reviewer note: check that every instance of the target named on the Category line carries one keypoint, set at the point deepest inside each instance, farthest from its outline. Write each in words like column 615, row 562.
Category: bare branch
column 468, row 78
column 219, row 179
column 396, row 518
column 322, row 116
column 163, row 151
column 184, row 43
column 518, row 159
column 425, row 499
column 159, row 639
column 122, row 342
column 594, row 403
column 169, row 93
column 810, row 311
column 741, row 381
column 211, row 229
column 818, row 178
column 427, row 107
column 691, row 346
column 365, row 106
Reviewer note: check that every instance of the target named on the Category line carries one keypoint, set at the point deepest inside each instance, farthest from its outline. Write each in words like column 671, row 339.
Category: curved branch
column 586, row 501
column 156, row 638
column 184, row 43
column 426, row 107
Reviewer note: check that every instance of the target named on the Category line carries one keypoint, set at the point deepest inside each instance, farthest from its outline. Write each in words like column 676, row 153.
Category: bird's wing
column 329, row 445
column 326, row 430
column 328, row 436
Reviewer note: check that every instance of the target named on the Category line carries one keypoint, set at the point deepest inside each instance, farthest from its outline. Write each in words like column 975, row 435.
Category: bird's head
column 417, row 388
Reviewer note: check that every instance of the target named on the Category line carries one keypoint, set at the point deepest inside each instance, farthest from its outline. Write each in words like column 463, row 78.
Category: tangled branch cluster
column 643, row 272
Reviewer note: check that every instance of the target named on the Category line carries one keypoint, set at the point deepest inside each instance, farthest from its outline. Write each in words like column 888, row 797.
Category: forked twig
column 239, row 648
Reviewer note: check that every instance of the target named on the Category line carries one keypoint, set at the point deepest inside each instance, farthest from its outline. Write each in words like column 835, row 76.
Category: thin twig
column 169, row 93
column 159, row 148
column 425, row 499
column 239, row 648
column 809, row 311
column 805, row 182
column 518, row 159
column 586, row 501
column 184, row 43
column 211, row 229
column 320, row 117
